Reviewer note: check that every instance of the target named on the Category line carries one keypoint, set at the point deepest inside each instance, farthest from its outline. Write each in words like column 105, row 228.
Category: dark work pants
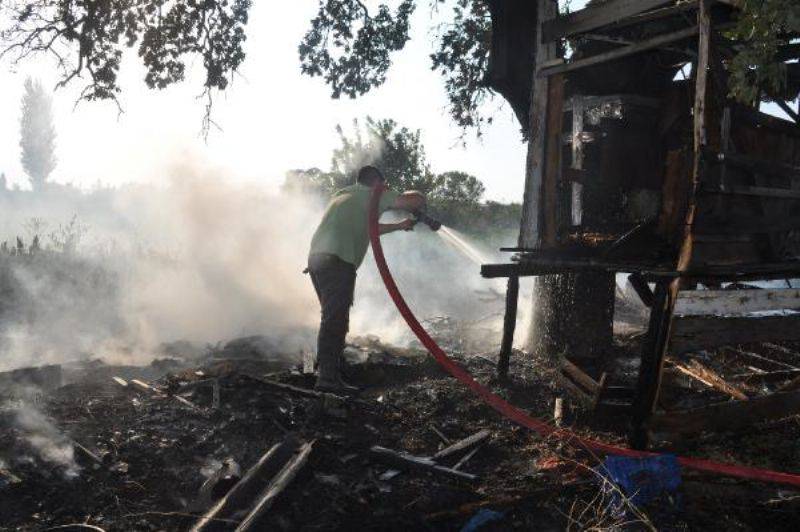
column 334, row 281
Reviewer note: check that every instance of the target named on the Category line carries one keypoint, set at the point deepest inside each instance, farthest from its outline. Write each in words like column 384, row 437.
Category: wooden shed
column 639, row 162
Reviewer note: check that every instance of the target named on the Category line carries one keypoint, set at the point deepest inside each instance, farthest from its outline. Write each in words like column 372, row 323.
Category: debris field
column 234, row 441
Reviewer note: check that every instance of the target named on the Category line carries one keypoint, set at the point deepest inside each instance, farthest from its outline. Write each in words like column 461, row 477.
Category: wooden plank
column 769, row 376
column 296, row 390
column 710, row 378
column 761, row 358
column 530, row 223
column 576, row 187
column 594, row 17
column 653, row 354
column 731, row 415
column 642, row 289
column 692, row 332
column 579, row 376
column 550, row 185
column 254, row 521
column 270, row 464
column 403, row 459
column 754, row 164
column 463, row 445
column 547, row 266
column 768, row 192
column 735, row 302
column 744, row 226
column 619, row 53
column 509, row 326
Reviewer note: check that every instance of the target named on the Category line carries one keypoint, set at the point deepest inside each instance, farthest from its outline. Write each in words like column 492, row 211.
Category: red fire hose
column 515, row 414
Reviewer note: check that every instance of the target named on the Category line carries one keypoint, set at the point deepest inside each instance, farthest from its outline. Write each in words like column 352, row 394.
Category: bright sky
column 273, row 118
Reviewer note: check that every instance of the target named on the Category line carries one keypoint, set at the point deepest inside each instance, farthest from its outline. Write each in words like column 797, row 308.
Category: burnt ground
column 156, row 452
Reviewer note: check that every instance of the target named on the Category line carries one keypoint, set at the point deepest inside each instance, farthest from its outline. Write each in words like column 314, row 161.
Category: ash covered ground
column 153, row 461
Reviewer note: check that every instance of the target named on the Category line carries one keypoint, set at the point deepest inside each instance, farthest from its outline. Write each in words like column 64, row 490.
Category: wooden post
column 653, row 354
column 530, row 227
column 658, row 334
column 509, row 325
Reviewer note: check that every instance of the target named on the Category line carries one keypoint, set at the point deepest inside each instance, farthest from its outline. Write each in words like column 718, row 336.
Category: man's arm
column 406, row 225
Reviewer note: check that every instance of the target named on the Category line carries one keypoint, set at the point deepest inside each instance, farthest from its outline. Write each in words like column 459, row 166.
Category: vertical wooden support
column 509, row 325
column 653, row 354
column 577, row 159
column 658, row 333
column 552, row 171
column 530, row 227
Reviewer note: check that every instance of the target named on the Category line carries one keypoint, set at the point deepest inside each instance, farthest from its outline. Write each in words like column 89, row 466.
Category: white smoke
column 203, row 260
column 46, row 440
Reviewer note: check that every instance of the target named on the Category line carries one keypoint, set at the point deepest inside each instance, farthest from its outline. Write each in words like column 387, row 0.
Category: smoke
column 201, row 259
column 46, row 440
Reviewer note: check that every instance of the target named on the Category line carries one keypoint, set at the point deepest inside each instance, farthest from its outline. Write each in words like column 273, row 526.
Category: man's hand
column 406, row 225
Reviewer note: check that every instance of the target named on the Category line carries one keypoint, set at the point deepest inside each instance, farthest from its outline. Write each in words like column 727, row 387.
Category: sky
column 273, row 119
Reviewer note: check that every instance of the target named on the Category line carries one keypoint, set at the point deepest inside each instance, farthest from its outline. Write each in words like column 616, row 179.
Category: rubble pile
column 238, row 440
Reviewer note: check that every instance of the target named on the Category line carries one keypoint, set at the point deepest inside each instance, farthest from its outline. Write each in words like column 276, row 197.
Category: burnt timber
column 640, row 163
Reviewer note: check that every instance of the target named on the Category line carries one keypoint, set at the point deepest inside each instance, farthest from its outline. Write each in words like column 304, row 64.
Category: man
column 337, row 250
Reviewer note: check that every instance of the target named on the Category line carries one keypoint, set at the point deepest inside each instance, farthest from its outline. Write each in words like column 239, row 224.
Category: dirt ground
column 156, row 452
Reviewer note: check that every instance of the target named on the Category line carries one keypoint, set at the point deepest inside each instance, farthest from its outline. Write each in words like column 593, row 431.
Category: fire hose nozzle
column 433, row 223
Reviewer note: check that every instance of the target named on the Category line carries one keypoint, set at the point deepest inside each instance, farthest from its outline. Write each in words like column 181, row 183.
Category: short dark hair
column 369, row 175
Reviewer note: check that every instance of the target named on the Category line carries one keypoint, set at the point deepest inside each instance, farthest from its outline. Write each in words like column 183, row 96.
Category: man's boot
column 330, row 375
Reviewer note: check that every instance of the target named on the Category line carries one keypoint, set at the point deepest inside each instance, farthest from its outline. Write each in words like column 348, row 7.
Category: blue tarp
column 644, row 479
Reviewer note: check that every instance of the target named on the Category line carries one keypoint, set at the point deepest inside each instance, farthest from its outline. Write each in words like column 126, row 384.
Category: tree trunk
column 572, row 315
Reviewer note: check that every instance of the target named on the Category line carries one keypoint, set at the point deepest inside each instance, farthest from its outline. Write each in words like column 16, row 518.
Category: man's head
column 369, row 176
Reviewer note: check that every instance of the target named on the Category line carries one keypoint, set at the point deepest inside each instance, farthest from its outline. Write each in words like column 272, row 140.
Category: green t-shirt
column 343, row 230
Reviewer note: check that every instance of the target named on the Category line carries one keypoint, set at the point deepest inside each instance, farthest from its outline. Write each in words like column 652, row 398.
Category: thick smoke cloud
column 199, row 259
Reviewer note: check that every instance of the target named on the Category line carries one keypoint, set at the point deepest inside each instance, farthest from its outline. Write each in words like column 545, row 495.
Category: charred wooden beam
column 769, row 376
column 547, row 266
column 693, row 332
column 753, row 164
column 595, row 17
column 463, row 445
column 403, row 459
column 653, row 354
column 144, row 387
column 243, row 492
column 578, row 376
column 619, row 53
column 531, row 220
column 509, row 326
column 744, row 226
column 731, row 415
column 296, row 390
column 761, row 358
column 642, row 289
column 743, row 272
column 254, row 520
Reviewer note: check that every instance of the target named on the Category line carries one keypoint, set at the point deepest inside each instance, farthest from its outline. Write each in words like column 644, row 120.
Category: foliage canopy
column 87, row 38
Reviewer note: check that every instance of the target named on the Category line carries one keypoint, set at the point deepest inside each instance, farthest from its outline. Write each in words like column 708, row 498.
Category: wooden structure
column 640, row 163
